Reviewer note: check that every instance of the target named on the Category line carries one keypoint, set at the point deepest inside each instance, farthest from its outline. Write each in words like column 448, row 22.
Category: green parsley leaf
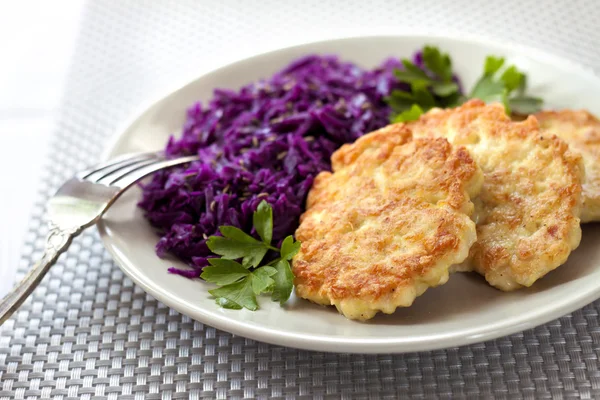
column 231, row 249
column 224, row 303
column 489, row 90
column 512, row 78
column 438, row 62
column 411, row 67
column 261, row 279
column 492, row 65
column 289, row 248
column 255, row 257
column 237, row 234
column 235, row 244
column 523, row 86
column 422, row 95
column 240, row 293
column 411, row 73
column 284, row 282
column 263, row 221
column 224, row 263
column 400, row 94
column 268, row 270
column 409, row 115
column 223, row 272
column 400, row 101
column 525, row 105
column 444, row 89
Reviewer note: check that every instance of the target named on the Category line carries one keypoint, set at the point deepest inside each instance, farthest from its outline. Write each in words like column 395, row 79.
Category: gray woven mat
column 88, row 332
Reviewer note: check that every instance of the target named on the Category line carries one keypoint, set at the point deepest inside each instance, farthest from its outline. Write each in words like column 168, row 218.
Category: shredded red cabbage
column 267, row 140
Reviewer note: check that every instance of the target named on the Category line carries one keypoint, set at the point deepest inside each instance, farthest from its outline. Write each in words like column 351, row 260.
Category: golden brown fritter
column 528, row 211
column 387, row 223
column 581, row 131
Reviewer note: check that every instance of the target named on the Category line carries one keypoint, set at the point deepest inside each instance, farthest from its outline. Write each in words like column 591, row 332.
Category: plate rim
column 320, row 342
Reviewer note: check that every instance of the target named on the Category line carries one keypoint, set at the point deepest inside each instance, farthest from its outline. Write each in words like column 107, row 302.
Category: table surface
column 75, row 71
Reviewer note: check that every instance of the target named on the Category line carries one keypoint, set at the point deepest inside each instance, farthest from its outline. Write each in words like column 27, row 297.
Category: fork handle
column 57, row 242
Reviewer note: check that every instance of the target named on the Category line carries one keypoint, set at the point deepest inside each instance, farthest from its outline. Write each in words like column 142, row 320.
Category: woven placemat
column 88, row 332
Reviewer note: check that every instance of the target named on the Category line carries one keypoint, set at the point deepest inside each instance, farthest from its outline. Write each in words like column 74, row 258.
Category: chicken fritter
column 528, row 211
column 581, row 131
column 387, row 223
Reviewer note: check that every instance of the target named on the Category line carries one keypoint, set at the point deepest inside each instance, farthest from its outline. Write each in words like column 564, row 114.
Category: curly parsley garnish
column 240, row 282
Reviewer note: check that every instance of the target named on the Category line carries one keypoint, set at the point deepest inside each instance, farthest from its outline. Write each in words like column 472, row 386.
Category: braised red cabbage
column 267, row 140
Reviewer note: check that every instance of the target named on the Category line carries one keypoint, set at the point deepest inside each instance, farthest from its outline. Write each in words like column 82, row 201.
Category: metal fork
column 78, row 204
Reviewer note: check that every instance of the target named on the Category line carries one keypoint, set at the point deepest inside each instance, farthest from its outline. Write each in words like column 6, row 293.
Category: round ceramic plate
column 463, row 311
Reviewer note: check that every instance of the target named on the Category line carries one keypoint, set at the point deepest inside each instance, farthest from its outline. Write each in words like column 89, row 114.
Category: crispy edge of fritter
column 581, row 130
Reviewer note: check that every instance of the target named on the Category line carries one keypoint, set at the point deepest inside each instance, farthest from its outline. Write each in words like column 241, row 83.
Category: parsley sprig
column 240, row 282
column 507, row 87
column 433, row 85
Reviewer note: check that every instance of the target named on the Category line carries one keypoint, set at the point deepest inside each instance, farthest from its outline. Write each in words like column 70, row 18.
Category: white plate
column 463, row 311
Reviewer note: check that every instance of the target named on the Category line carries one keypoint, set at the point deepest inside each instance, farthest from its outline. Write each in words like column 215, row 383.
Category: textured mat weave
column 88, row 332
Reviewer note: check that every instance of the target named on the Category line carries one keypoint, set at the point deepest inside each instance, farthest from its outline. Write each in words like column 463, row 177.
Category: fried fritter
column 387, row 223
column 528, row 211
column 581, row 131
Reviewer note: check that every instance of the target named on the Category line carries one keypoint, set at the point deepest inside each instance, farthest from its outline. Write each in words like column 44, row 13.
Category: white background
column 36, row 42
